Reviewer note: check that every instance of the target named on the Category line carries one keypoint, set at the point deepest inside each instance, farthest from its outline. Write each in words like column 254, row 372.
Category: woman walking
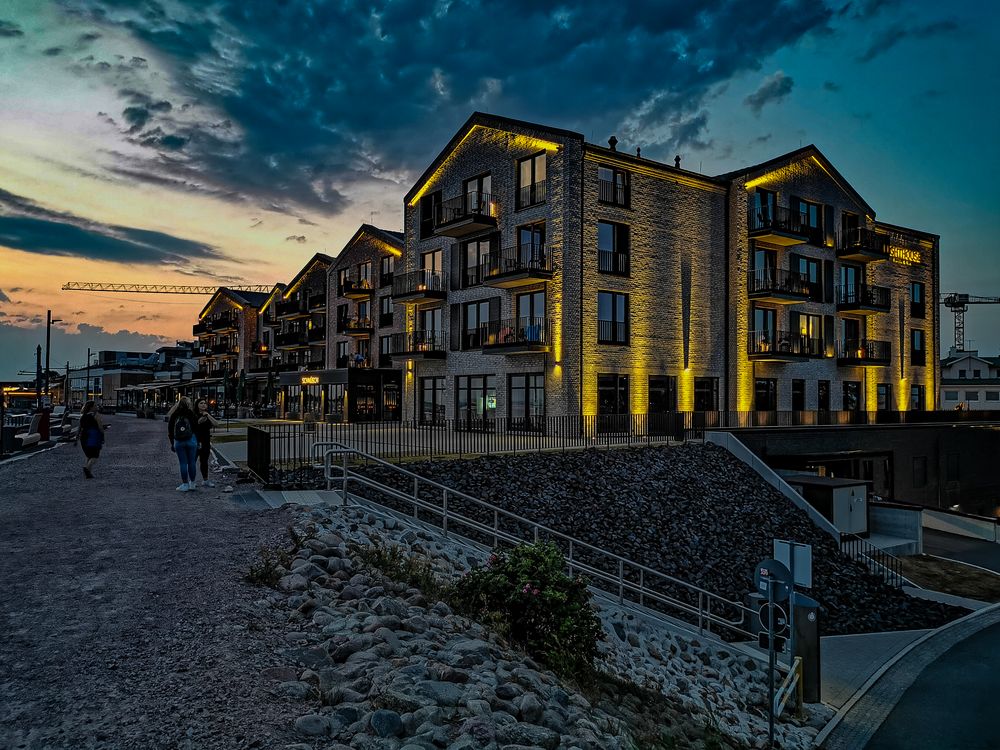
column 91, row 437
column 203, row 430
column 184, row 442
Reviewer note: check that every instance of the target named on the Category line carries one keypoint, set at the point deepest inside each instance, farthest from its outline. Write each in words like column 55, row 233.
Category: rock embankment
column 376, row 663
column 692, row 511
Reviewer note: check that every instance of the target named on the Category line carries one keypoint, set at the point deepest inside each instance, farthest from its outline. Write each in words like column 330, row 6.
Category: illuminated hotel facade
column 545, row 276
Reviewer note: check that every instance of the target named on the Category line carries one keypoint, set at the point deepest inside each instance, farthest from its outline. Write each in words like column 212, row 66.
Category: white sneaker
column 182, row 487
column 192, row 487
column 208, row 483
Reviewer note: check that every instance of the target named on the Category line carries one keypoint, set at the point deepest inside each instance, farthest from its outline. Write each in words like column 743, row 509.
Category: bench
column 33, row 436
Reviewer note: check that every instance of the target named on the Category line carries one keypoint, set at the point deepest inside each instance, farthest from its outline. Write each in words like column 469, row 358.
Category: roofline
column 317, row 258
column 497, row 122
column 909, row 230
column 381, row 234
column 670, row 169
column 796, row 155
column 222, row 290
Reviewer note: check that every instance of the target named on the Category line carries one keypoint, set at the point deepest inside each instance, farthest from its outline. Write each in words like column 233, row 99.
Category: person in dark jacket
column 91, row 437
column 184, row 441
column 203, row 430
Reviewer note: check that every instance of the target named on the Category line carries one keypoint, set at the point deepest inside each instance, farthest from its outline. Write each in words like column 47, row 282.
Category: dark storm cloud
column 892, row 35
column 9, row 29
column 28, row 226
column 52, row 51
column 773, row 89
column 292, row 103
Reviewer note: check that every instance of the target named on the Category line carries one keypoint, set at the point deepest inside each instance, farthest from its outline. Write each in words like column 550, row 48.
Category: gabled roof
column 242, row 299
column 393, row 239
column 481, row 119
column 319, row 258
column 806, row 152
column 948, row 361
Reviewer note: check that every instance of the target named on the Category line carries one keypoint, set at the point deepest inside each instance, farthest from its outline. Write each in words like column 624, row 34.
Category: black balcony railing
column 200, row 329
column 520, row 259
column 612, row 192
column 343, row 360
column 863, row 295
column 225, row 347
column 417, row 283
column 317, row 301
column 358, row 325
column 783, row 221
column 465, row 206
column 783, row 343
column 864, row 350
column 861, row 243
column 417, row 342
column 290, row 338
column 611, row 261
column 529, row 333
column 612, row 332
column 531, row 195
column 778, row 281
column 355, row 287
column 317, row 335
column 385, row 279
column 289, row 307
column 384, row 319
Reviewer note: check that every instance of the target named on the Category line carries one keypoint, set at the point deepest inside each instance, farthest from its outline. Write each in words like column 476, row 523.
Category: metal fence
column 289, row 444
column 878, row 561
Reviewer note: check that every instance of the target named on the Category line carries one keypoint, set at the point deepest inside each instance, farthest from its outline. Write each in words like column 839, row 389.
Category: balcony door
column 431, row 261
column 531, row 316
column 531, row 244
column 477, row 256
column 612, row 403
column 851, row 332
column 475, row 402
column 477, row 193
column 763, row 205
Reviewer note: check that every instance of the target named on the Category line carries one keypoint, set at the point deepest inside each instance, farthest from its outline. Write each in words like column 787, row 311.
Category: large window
column 429, row 206
column 918, row 356
column 475, row 401
column 476, row 256
column 612, row 248
column 432, row 400
column 343, row 275
column 385, row 311
column 386, row 266
column 530, row 308
column 612, row 318
column 917, row 399
column 431, row 261
column 612, row 402
column 343, row 348
column 811, row 213
column 762, row 207
column 478, row 194
column 883, row 397
column 475, row 323
column 917, row 309
column 527, row 401
column 706, row 394
column 662, row 394
column 429, row 320
column 384, row 350
column 531, row 180
column 613, row 186
column 365, row 275
column 530, row 246
column 823, row 395
column 798, row 395
column 765, row 394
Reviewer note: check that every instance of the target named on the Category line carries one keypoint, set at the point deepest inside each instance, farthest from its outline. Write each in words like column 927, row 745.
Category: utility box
column 843, row 502
column 807, row 644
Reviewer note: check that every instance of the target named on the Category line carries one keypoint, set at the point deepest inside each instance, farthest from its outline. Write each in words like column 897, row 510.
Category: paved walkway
column 849, row 660
column 125, row 621
column 952, row 704
column 963, row 548
column 940, row 717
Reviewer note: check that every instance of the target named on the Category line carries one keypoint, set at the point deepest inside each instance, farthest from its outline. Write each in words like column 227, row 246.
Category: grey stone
column 313, row 725
column 442, row 693
column 386, row 723
column 293, row 582
column 528, row 734
column 296, row 689
column 530, row 708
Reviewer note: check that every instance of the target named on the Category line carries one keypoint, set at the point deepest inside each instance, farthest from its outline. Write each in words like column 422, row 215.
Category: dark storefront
column 351, row 394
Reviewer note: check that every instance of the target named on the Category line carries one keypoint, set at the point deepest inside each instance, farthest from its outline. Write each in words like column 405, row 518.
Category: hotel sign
column 905, row 256
column 309, row 380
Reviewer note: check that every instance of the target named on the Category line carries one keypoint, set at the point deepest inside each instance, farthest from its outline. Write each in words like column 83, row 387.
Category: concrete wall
column 970, row 526
column 904, row 523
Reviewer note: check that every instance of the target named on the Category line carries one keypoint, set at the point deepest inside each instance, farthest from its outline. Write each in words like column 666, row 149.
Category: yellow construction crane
column 97, row 286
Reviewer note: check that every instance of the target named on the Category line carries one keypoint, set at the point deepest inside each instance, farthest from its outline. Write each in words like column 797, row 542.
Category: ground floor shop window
column 475, row 401
column 706, row 394
column 526, row 395
column 662, row 394
column 336, row 397
column 431, row 400
column 798, row 395
column 612, row 403
column 765, row 394
column 852, row 395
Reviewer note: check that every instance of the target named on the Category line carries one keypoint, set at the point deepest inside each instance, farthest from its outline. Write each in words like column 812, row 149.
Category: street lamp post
column 48, row 344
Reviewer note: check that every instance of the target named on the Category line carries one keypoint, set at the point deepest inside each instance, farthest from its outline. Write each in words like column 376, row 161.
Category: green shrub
column 526, row 595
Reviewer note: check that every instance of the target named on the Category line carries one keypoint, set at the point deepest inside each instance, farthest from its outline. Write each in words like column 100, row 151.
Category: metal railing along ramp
column 630, row 582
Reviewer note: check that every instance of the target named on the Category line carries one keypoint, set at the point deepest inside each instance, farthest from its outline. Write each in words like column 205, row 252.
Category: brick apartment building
column 545, row 276
column 228, row 332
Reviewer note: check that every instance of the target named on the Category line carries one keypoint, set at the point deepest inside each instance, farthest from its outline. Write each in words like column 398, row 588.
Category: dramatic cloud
column 285, row 104
column 300, row 238
column 29, row 226
column 773, row 89
column 9, row 29
column 897, row 32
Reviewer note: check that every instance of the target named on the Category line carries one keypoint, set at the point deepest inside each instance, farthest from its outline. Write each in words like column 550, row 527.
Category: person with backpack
column 203, row 431
column 184, row 442
column 91, row 437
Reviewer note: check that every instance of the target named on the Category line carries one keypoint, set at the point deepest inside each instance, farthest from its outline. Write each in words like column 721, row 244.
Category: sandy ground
column 125, row 619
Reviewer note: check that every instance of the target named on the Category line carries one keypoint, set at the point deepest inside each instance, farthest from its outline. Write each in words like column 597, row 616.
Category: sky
column 226, row 141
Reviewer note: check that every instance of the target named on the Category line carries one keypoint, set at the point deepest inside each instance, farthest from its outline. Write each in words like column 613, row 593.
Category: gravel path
column 125, row 619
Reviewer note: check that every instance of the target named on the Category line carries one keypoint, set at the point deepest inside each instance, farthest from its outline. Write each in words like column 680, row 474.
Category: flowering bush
column 526, row 595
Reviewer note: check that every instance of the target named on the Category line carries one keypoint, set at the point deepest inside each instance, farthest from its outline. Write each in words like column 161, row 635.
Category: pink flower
column 535, row 592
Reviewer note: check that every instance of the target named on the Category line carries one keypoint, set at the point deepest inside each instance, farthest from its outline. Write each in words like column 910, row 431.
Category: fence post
column 621, row 581
column 444, row 516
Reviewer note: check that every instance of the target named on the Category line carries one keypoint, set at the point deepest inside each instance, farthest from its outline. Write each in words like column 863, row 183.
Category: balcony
column 516, row 266
column 778, row 285
column 356, row 289
column 513, row 336
column 862, row 299
column 358, row 327
column 417, row 345
column 613, row 262
column 316, row 364
column 531, row 195
column 343, row 361
column 317, row 302
column 290, row 308
column 225, row 348
column 290, row 340
column 419, row 287
column 779, row 225
column 466, row 214
column 612, row 332
column 863, row 245
column 614, row 193
column 385, row 279
column 782, row 346
column 864, row 353
column 317, row 335
column 275, row 367
column 384, row 320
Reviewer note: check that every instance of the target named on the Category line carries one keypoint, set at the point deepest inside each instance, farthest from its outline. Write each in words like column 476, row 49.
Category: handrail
column 879, row 562
column 703, row 611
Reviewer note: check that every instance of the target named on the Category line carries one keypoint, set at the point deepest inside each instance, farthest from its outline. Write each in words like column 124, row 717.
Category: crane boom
column 959, row 305
column 96, row 286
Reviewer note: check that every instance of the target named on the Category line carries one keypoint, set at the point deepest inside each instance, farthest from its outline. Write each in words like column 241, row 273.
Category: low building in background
column 970, row 381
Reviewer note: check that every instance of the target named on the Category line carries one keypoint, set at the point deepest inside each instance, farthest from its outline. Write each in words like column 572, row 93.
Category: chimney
column 677, row 161
column 613, row 142
column 638, row 152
